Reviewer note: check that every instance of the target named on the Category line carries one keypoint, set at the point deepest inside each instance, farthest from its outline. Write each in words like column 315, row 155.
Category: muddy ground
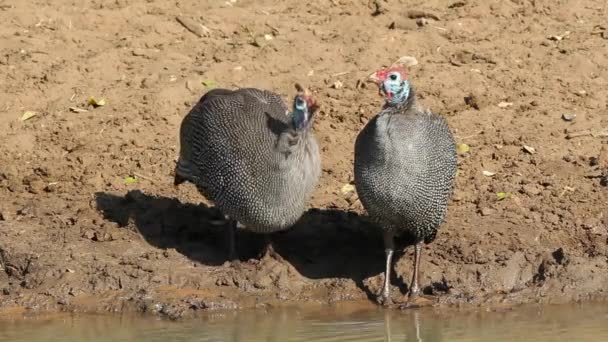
column 75, row 236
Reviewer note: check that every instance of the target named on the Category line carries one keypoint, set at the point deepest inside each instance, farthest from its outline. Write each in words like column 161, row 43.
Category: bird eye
column 393, row 77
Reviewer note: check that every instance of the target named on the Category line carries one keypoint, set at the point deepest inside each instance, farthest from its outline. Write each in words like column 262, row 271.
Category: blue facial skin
column 395, row 89
column 300, row 112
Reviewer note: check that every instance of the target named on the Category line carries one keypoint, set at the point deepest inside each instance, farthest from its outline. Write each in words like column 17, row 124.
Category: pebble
column 594, row 161
column 486, row 211
column 568, row 117
column 531, row 189
column 604, row 181
column 552, row 218
column 422, row 22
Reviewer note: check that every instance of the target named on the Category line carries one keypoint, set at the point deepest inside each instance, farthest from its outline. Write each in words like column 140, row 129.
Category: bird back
column 233, row 147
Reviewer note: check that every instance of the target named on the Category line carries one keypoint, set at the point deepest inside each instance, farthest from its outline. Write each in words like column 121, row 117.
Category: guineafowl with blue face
column 256, row 160
column 405, row 165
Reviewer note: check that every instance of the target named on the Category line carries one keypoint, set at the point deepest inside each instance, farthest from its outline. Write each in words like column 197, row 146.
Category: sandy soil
column 75, row 236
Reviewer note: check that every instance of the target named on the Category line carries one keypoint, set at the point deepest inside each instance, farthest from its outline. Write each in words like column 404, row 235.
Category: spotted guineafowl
column 257, row 161
column 405, row 165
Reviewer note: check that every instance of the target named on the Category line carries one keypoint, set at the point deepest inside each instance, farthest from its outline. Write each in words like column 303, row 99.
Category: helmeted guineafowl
column 405, row 165
column 257, row 161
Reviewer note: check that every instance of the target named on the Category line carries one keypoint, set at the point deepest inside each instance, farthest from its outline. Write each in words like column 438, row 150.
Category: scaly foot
column 384, row 300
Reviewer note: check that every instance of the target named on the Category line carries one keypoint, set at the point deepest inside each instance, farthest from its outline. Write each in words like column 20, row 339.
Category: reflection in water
column 584, row 322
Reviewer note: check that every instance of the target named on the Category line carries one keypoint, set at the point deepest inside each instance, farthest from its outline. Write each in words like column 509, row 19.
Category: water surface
column 581, row 322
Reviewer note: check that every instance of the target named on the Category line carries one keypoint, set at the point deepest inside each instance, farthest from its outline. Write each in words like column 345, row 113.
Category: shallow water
column 581, row 322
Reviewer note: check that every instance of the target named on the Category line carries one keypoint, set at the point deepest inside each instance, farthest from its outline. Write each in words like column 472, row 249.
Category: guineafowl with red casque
column 405, row 165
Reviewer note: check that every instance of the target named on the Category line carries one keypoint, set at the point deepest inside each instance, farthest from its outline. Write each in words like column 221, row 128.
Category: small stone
column 33, row 184
column 472, row 101
column 88, row 234
column 486, row 211
column 422, row 22
column 589, row 224
column 101, row 237
column 604, row 181
column 568, row 117
column 51, row 187
column 262, row 282
column 531, row 189
column 552, row 218
column 338, row 85
column 594, row 161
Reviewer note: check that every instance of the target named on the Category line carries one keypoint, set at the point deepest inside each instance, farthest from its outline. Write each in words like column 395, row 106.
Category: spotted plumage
column 245, row 151
column 405, row 164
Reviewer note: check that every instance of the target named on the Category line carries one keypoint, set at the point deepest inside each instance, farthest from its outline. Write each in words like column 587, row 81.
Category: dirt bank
column 74, row 235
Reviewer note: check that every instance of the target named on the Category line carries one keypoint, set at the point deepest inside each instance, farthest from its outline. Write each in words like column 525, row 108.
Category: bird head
column 393, row 83
column 304, row 107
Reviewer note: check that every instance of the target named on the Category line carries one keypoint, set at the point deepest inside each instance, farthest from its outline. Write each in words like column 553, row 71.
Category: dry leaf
column 130, row 180
column 28, row 115
column 488, row 173
column 209, row 84
column 529, row 149
column 96, row 103
column 463, row 148
column 502, row 195
column 77, row 110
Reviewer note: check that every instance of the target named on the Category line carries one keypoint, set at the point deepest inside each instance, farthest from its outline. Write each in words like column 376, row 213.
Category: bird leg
column 414, row 288
column 231, row 237
column 269, row 251
column 389, row 247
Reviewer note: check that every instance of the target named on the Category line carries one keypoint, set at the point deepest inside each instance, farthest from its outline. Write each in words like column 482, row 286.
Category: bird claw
column 270, row 253
column 384, row 300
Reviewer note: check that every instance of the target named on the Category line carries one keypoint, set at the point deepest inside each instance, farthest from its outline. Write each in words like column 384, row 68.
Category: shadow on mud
column 325, row 243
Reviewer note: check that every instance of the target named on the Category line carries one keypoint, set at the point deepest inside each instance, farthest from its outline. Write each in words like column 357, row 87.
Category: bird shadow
column 194, row 230
column 324, row 243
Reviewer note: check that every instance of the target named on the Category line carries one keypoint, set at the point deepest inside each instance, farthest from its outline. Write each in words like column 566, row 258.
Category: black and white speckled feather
column 244, row 153
column 405, row 164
